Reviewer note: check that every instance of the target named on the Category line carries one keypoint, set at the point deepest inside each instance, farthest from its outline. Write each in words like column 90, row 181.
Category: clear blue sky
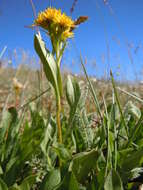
column 112, row 30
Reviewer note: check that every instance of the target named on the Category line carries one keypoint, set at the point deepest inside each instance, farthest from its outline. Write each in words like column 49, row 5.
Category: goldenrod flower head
column 52, row 16
column 57, row 23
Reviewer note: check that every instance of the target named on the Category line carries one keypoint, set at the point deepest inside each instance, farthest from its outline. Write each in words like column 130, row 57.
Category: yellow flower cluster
column 55, row 22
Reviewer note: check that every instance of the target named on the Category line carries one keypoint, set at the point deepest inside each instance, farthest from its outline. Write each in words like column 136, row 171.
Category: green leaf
column 130, row 159
column 85, row 129
column 136, row 131
column 48, row 61
column 63, row 153
column 69, row 182
column 83, row 163
column 51, row 180
column 12, row 133
column 73, row 96
column 28, row 182
column 5, row 124
column 3, row 186
column 70, row 93
column 132, row 109
column 27, row 145
column 14, row 188
column 48, row 137
column 1, row 170
column 113, row 181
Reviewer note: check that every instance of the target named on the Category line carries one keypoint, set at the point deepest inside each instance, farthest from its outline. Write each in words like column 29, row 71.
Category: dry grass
column 32, row 86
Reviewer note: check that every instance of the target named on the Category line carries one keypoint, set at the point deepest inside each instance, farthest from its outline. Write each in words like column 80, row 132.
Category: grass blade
column 92, row 90
column 118, row 103
column 131, row 95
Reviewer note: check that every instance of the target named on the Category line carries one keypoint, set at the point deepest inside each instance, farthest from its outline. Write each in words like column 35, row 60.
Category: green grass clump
column 100, row 150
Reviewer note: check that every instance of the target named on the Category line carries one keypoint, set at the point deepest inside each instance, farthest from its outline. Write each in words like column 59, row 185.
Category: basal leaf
column 83, row 163
column 69, row 182
column 113, row 181
column 51, row 180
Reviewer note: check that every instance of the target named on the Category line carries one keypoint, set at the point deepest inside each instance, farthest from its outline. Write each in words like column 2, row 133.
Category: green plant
column 68, row 150
column 59, row 28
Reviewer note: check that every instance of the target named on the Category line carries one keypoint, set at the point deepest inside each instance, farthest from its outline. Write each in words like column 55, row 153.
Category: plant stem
column 58, row 112
column 58, row 120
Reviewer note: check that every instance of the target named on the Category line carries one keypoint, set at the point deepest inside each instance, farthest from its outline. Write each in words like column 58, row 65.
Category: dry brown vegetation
column 35, row 83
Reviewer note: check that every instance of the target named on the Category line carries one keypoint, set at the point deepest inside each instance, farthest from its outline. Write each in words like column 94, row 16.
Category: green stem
column 58, row 55
column 59, row 98
column 59, row 120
